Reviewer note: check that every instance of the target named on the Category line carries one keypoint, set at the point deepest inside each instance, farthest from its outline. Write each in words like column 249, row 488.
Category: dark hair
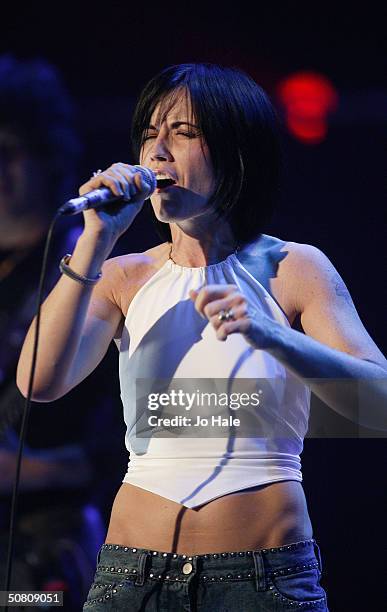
column 239, row 125
column 35, row 105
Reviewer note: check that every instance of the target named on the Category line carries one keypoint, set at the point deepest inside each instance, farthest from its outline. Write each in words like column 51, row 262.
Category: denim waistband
column 139, row 563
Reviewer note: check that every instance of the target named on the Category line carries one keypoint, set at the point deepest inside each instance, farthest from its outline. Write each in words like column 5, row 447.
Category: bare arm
column 78, row 322
column 73, row 315
column 337, row 357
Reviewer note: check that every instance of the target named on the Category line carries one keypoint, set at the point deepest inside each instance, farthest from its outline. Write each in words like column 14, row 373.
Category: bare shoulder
column 308, row 272
column 126, row 274
column 275, row 250
column 273, row 245
column 310, row 259
column 294, row 272
column 328, row 313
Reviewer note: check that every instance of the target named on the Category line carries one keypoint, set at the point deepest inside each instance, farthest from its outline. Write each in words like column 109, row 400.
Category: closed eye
column 187, row 134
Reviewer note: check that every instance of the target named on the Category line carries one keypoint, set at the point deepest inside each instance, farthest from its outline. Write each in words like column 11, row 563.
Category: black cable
column 26, row 410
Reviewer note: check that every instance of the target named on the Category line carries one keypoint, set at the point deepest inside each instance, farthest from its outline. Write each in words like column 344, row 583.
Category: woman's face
column 173, row 145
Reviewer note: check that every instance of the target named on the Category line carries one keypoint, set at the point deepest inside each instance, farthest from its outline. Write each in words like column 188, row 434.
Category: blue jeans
column 266, row 580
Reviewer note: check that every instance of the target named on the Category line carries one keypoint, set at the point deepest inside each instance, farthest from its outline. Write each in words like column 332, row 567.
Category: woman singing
column 219, row 522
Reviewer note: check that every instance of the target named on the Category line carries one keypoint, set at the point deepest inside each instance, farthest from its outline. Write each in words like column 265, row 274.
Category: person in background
column 61, row 508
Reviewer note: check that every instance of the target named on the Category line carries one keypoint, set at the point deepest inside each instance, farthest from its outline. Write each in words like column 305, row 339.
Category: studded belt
column 213, row 567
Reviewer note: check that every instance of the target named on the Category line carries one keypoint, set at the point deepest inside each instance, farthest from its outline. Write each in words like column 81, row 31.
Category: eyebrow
column 175, row 125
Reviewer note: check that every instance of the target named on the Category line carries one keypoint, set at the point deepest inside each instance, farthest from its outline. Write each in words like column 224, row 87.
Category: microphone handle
column 93, row 199
column 103, row 195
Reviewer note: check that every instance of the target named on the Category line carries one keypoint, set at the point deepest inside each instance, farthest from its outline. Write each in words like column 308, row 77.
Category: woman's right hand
column 114, row 219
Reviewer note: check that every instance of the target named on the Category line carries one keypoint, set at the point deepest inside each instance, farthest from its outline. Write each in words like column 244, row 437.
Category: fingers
column 212, row 299
column 233, row 301
column 141, row 185
column 239, row 310
column 240, row 320
column 209, row 294
column 122, row 179
column 240, row 325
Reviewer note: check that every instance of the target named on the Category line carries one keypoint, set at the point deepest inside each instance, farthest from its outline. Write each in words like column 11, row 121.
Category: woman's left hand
column 212, row 299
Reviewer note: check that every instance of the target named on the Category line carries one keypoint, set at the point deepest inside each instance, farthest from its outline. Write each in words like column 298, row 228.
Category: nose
column 160, row 150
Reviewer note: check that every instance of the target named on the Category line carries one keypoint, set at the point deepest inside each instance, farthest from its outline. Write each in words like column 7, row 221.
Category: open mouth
column 165, row 182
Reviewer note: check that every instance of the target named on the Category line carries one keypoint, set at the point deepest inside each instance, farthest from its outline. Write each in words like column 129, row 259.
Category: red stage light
column 308, row 99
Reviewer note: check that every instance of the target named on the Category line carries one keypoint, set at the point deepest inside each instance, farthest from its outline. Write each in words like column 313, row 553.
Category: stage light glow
column 308, row 99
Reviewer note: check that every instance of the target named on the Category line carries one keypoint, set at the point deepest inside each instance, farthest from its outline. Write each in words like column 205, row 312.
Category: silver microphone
column 103, row 195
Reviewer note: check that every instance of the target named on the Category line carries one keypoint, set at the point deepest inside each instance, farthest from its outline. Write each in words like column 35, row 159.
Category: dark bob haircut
column 239, row 125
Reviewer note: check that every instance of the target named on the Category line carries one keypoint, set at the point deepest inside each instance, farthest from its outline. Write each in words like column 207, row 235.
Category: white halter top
column 165, row 338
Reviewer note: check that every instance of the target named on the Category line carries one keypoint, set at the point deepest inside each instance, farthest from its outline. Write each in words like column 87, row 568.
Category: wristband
column 84, row 280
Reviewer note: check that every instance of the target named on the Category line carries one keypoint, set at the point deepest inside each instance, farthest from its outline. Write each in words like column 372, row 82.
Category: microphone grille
column 148, row 175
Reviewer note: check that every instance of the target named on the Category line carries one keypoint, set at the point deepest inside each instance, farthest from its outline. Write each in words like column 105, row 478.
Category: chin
column 165, row 211
column 173, row 211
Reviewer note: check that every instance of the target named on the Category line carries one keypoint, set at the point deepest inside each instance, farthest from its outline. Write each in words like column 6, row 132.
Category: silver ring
column 99, row 171
column 226, row 315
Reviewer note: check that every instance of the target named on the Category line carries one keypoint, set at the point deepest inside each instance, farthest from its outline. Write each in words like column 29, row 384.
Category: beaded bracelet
column 84, row 280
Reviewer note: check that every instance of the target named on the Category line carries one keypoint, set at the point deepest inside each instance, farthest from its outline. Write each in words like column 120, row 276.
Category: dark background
column 334, row 193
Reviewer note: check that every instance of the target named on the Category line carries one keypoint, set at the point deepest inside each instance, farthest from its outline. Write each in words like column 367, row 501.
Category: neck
column 201, row 248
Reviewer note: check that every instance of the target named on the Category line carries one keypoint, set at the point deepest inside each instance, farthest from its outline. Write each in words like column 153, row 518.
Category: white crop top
column 165, row 337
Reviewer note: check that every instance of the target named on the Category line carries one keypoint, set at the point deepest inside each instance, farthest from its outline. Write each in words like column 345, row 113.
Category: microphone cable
column 26, row 410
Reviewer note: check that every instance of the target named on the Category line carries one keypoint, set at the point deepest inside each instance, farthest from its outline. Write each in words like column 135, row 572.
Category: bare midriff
column 265, row 516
